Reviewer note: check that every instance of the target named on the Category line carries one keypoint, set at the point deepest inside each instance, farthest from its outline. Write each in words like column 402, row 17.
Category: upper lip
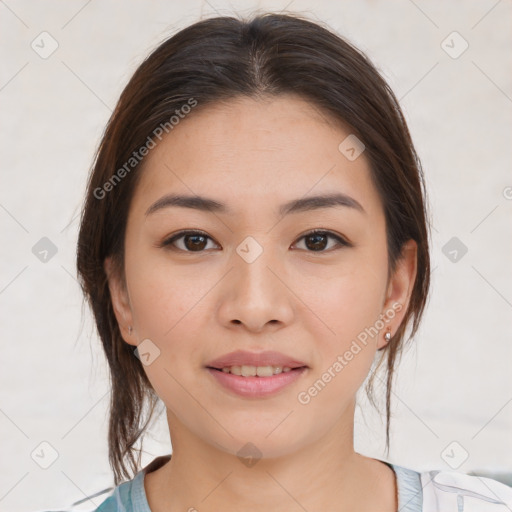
column 244, row 358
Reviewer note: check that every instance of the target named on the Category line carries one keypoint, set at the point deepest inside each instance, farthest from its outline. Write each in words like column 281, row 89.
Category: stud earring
column 130, row 330
column 387, row 336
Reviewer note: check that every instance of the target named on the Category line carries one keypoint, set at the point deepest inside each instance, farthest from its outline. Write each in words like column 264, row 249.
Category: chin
column 261, row 440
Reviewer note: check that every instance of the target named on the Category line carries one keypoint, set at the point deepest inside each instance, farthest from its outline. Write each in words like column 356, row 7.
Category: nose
column 256, row 295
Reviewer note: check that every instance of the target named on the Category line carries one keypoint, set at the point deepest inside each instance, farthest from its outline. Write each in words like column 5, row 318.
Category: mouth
column 256, row 371
column 250, row 386
column 256, row 374
column 252, row 364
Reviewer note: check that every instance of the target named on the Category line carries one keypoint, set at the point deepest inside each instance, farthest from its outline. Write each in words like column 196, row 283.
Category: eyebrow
column 296, row 205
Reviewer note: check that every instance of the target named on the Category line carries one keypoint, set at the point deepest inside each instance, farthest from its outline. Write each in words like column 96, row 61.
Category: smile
column 256, row 381
column 253, row 371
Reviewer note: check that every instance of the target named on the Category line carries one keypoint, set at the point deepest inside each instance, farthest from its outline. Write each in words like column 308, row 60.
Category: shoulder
column 118, row 500
column 131, row 496
column 125, row 497
column 446, row 491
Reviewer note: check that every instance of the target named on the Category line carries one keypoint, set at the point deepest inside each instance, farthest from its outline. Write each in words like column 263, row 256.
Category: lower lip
column 256, row 387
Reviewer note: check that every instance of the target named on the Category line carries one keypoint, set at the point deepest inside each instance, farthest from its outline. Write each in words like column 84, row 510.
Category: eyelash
column 169, row 241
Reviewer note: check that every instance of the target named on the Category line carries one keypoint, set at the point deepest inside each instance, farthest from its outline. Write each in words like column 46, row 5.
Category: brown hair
column 214, row 60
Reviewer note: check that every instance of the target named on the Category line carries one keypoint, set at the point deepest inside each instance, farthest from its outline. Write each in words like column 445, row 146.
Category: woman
column 254, row 233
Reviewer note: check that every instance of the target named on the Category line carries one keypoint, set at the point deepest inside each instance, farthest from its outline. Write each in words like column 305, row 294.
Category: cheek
column 164, row 297
column 346, row 350
column 350, row 305
column 350, row 300
column 167, row 307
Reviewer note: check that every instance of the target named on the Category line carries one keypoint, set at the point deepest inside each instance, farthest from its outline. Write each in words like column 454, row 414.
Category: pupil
column 317, row 237
column 195, row 245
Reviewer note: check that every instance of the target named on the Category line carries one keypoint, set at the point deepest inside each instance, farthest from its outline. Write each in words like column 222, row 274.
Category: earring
column 387, row 336
column 130, row 330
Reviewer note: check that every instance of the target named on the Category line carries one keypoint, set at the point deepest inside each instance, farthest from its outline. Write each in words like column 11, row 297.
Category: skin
column 254, row 155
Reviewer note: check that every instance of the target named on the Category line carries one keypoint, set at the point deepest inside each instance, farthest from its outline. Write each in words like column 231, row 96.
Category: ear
column 120, row 301
column 400, row 288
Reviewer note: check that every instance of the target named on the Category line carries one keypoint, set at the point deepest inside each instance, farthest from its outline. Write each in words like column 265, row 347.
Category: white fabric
column 449, row 491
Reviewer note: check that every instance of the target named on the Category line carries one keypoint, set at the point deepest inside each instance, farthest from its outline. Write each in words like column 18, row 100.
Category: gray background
column 454, row 383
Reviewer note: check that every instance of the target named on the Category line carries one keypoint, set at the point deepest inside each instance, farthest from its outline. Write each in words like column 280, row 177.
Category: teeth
column 236, row 370
column 253, row 371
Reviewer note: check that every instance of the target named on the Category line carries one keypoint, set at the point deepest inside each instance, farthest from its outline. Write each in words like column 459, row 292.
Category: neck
column 326, row 474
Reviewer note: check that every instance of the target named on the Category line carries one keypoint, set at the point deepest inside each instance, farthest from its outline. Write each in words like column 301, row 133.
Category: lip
column 256, row 387
column 242, row 357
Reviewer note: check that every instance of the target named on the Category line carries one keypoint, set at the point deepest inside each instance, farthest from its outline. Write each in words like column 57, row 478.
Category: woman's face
column 254, row 278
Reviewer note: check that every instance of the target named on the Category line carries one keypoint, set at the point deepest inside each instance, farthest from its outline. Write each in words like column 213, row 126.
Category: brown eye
column 317, row 241
column 197, row 241
column 191, row 241
column 194, row 242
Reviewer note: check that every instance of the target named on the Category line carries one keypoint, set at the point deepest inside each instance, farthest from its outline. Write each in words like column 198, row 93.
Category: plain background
column 454, row 383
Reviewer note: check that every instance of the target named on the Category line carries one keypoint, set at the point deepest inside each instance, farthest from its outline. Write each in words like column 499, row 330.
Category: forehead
column 256, row 151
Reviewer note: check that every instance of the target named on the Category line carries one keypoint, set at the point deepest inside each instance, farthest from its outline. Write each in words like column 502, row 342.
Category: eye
column 197, row 241
column 193, row 241
column 317, row 240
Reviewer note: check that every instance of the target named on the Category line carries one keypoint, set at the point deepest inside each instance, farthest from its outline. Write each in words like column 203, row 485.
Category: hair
column 220, row 59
